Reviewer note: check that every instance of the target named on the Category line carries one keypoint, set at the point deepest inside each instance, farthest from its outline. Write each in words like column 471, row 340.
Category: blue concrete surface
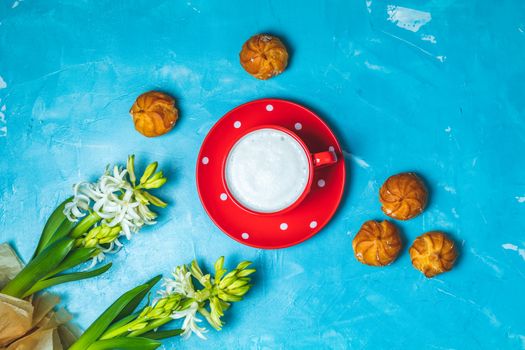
column 430, row 86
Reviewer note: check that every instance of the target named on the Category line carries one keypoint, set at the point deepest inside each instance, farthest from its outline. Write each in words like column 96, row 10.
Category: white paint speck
column 190, row 5
column 407, row 18
column 449, row 189
column 375, row 67
column 321, row 183
column 223, row 196
column 298, row 126
column 488, row 260
column 237, row 124
column 283, row 226
column 448, row 129
column 514, row 248
column 3, row 122
column 428, row 37
column 510, row 246
column 331, row 149
column 455, row 213
column 205, row 160
column 3, row 84
column 313, row 224
column 359, row 161
column 16, row 3
column 520, row 199
column 269, row 108
column 441, row 58
column 491, row 316
column 245, row 235
column 369, row 5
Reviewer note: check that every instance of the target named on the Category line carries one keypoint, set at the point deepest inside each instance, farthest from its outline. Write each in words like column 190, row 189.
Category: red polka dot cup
column 269, row 170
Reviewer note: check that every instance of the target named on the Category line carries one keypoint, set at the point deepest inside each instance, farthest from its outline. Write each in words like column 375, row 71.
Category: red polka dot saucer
column 284, row 228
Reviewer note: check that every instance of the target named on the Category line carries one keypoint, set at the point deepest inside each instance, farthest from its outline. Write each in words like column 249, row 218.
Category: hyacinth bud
column 239, row 283
column 150, row 169
column 239, row 291
column 162, row 308
column 245, row 273
column 228, row 297
column 196, row 270
column 102, row 234
column 155, row 184
column 154, row 200
column 243, row 265
column 130, row 166
column 219, row 263
column 156, row 176
column 138, row 326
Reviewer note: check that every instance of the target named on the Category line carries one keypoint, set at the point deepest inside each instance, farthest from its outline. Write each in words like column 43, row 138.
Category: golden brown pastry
column 377, row 243
column 403, row 196
column 154, row 113
column 433, row 253
column 264, row 56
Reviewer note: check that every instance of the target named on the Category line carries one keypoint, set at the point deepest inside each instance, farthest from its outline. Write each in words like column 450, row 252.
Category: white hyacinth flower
column 181, row 283
column 116, row 200
column 113, row 198
column 190, row 324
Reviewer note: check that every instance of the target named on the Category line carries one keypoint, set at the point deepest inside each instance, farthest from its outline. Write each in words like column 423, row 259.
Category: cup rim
column 307, row 187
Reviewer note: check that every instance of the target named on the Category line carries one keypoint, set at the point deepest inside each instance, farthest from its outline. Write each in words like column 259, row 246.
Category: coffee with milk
column 267, row 170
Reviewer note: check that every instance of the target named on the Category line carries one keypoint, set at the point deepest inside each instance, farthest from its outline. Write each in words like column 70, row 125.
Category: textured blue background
column 440, row 91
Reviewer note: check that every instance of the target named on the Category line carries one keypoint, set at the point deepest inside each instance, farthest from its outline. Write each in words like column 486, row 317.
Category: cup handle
column 324, row 158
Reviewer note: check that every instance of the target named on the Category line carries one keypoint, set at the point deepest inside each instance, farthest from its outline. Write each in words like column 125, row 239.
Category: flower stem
column 84, row 225
column 121, row 330
column 149, row 327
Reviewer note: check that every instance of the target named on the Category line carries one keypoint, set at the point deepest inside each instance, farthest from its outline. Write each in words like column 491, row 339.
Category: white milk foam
column 267, row 170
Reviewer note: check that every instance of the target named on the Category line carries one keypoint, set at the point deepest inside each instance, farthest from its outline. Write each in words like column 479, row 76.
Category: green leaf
column 74, row 258
column 70, row 277
column 62, row 231
column 56, row 219
column 124, row 343
column 39, row 267
column 101, row 324
column 132, row 305
column 162, row 334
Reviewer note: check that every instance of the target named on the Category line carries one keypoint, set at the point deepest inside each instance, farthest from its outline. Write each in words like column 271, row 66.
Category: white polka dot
column 237, row 124
column 269, row 108
column 223, row 196
column 298, row 126
column 321, row 183
column 313, row 224
column 205, row 160
column 331, row 149
column 245, row 235
column 283, row 226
